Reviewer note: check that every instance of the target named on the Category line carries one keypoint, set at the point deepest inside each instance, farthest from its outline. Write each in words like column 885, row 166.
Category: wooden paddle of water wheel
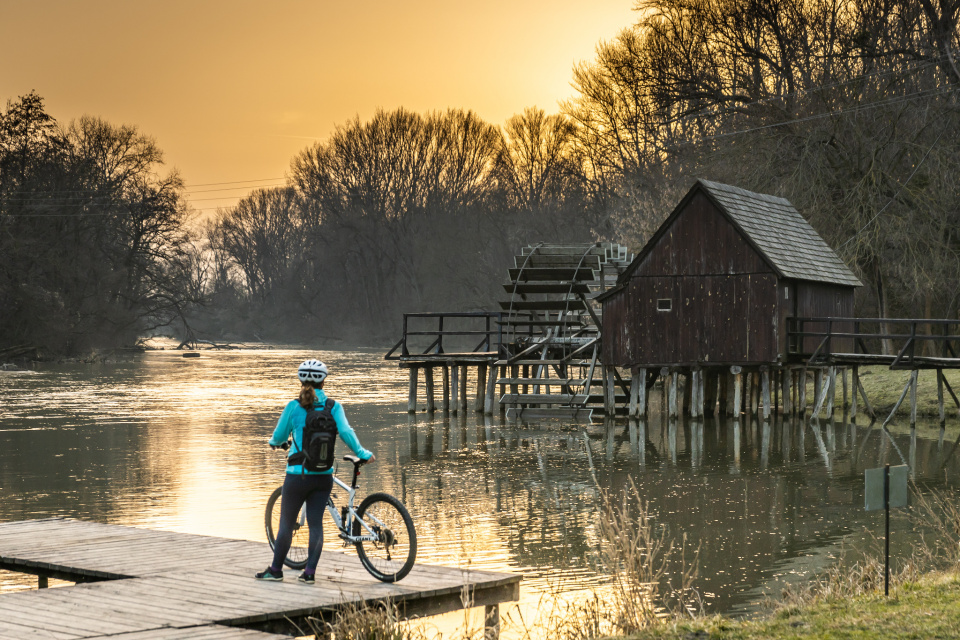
column 551, row 328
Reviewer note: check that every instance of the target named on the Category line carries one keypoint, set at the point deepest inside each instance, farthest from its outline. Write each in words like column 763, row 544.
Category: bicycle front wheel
column 300, row 544
column 391, row 555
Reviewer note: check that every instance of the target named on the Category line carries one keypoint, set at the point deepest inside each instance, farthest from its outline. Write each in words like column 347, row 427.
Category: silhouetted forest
column 848, row 109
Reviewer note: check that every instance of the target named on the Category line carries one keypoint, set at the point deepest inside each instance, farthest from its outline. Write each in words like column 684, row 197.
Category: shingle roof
column 778, row 230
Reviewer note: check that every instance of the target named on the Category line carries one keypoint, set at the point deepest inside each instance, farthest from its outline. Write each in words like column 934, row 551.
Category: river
column 174, row 443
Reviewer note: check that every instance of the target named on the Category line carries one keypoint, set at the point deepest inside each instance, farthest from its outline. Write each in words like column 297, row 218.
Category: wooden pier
column 141, row 584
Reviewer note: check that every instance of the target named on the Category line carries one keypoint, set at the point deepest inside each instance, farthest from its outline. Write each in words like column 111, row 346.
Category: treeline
column 847, row 108
column 93, row 243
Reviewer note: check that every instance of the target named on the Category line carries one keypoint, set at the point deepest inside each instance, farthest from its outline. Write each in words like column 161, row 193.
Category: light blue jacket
column 293, row 419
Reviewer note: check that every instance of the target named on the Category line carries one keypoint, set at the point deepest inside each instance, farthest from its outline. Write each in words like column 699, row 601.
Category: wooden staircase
column 551, row 328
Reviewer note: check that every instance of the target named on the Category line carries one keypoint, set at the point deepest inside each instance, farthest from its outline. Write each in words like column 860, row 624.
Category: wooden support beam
column 481, row 388
column 694, row 393
column 635, row 383
column 737, row 390
column 940, row 408
column 903, row 395
column 490, row 397
column 412, row 391
column 428, row 380
column 843, row 382
column 831, row 390
column 464, row 401
column 609, row 390
column 755, row 393
column 642, row 393
column 445, row 397
column 673, row 410
column 802, row 385
column 946, row 383
column 765, row 391
column 454, row 388
column 787, row 385
column 817, row 388
column 854, row 382
column 866, row 401
column 824, row 390
column 913, row 398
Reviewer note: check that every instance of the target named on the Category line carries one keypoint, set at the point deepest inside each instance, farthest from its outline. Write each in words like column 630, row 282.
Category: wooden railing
column 848, row 336
column 487, row 319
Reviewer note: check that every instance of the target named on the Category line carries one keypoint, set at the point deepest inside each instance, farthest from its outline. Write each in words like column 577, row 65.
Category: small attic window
column 664, row 304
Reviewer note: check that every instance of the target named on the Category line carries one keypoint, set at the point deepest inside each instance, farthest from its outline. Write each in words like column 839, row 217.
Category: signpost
column 884, row 488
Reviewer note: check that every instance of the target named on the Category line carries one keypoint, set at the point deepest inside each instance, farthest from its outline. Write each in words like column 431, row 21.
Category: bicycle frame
column 344, row 520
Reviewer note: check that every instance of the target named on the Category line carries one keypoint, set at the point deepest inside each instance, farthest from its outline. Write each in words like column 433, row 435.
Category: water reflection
column 180, row 444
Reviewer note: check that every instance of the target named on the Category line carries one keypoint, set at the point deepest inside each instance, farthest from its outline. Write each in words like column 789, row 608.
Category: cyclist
column 300, row 485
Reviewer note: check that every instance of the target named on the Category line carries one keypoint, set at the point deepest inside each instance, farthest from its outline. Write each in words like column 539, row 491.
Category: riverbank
column 928, row 607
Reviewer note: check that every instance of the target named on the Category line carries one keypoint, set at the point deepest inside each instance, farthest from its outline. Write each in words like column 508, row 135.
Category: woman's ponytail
column 308, row 397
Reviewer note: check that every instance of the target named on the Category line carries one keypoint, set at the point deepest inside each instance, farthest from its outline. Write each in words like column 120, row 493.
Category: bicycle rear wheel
column 391, row 556
column 300, row 544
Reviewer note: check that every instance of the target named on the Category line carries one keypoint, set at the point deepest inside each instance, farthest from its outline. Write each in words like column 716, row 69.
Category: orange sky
column 232, row 90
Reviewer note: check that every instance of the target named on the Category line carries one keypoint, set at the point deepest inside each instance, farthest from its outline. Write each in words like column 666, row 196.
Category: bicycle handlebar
column 284, row 446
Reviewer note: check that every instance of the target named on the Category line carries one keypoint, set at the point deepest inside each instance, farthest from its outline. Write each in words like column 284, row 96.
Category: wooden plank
column 524, row 288
column 542, row 398
column 576, row 382
column 13, row 631
column 205, row 632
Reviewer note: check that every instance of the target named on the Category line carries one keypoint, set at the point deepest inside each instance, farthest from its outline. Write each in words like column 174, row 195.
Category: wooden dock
column 141, row 584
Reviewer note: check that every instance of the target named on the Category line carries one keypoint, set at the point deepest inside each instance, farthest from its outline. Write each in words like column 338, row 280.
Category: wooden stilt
column 733, row 392
column 711, row 384
column 946, row 384
column 412, row 392
column 609, row 389
column 635, row 384
column 642, row 392
column 843, row 383
column 464, row 400
column 490, row 397
column 755, row 393
column 817, row 386
column 803, row 392
column 866, row 401
column 765, row 391
column 940, row 407
column 787, row 384
column 832, row 390
column 481, row 387
column 722, row 394
column 775, row 378
column 824, row 390
column 454, row 388
column 913, row 398
column 903, row 395
column 673, row 409
column 428, row 380
column 445, row 397
column 854, row 381
column 737, row 390
column 695, row 398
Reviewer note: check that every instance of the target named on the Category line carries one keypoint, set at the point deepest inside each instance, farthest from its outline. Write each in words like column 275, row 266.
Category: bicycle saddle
column 353, row 459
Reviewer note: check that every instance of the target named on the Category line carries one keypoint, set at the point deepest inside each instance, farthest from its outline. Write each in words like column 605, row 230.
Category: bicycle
column 381, row 529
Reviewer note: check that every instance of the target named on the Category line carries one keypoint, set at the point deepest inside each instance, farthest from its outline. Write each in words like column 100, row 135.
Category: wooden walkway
column 140, row 584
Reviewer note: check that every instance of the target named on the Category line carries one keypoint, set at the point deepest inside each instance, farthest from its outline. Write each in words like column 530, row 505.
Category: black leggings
column 314, row 489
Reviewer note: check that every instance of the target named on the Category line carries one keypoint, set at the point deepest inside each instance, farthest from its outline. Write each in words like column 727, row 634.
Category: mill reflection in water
column 180, row 445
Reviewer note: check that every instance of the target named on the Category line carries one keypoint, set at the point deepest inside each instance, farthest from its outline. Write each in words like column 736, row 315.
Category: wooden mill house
column 712, row 292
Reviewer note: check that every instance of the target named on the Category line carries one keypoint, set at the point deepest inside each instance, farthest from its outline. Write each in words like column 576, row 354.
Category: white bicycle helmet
column 312, row 371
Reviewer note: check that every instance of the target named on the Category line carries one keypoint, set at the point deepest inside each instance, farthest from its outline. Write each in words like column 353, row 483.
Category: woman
column 301, row 485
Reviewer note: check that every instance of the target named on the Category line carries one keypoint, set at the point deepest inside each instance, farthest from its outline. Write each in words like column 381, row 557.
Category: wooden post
column 711, row 384
column 940, row 407
column 737, row 390
column 803, row 392
column 722, row 394
column 854, row 381
column 490, row 397
column 843, row 382
column 491, row 622
column 755, row 393
column 786, row 383
column 635, row 384
column 694, row 392
column 775, row 387
column 609, row 400
column 913, row 397
column 642, row 392
column 831, row 390
column 445, row 398
column 817, row 383
column 673, row 409
column 428, row 379
column 42, row 582
column 765, row 391
column 481, row 387
column 412, row 392
column 454, row 388
column 464, row 401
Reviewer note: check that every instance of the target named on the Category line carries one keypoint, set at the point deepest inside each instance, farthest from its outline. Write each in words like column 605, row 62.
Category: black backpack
column 319, row 439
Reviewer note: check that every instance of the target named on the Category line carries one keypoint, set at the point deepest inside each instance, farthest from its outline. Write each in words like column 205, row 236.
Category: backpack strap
column 300, row 457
